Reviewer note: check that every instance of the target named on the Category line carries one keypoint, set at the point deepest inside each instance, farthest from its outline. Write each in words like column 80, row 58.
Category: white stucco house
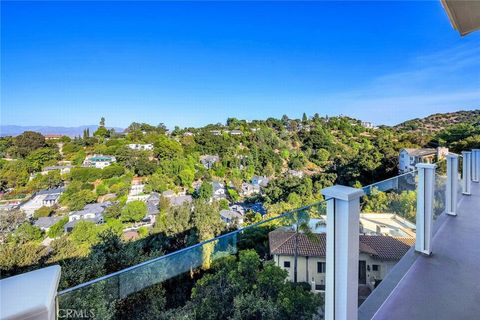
column 92, row 212
column 99, row 161
column 43, row 198
column 231, row 217
column 140, row 146
column 408, row 157
column 377, row 256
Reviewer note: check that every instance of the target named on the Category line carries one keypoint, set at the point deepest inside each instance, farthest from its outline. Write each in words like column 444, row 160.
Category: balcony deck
column 445, row 285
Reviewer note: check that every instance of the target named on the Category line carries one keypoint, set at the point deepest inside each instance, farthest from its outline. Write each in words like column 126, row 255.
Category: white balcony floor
column 445, row 285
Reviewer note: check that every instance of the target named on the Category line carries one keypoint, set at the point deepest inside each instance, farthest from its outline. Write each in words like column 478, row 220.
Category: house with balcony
column 408, row 158
column 99, row 161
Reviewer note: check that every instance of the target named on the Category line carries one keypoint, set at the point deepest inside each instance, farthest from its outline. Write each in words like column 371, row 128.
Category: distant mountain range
column 12, row 130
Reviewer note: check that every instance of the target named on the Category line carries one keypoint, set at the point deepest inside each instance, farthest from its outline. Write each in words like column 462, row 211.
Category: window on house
column 320, row 287
column 286, row 264
column 375, row 267
column 321, row 267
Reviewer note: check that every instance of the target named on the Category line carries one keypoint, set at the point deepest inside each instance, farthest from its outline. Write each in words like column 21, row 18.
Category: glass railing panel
column 241, row 274
column 459, row 177
column 439, row 196
column 387, row 228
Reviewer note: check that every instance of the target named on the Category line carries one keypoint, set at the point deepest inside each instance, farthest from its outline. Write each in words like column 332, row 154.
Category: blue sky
column 189, row 64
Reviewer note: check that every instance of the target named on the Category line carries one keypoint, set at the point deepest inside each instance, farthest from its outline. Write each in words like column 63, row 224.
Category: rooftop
column 379, row 247
column 421, row 152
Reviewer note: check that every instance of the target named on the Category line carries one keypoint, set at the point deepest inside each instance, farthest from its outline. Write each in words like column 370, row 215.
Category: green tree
column 166, row 148
column 205, row 191
column 45, row 181
column 159, row 182
column 84, row 233
column 43, row 212
column 134, row 211
column 78, row 200
column 14, row 174
column 17, row 258
column 376, row 201
column 42, row 156
column 186, row 177
column 27, row 142
column 26, row 232
column 249, row 289
column 57, row 229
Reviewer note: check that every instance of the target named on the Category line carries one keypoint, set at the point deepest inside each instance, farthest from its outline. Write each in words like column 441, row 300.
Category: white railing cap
column 426, row 165
column 342, row 192
column 30, row 295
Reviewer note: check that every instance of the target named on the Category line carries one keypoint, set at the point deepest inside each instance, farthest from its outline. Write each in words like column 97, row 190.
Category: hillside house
column 44, row 223
column 92, row 212
column 63, row 169
column 43, row 198
column 408, row 157
column 231, row 217
column 260, row 181
column 140, row 146
column 99, row 161
column 378, row 255
column 208, row 160
column 249, row 189
column 177, row 200
column 219, row 191
column 236, row 133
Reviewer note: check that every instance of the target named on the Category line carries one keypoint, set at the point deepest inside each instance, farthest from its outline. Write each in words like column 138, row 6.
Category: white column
column 425, row 192
column 475, row 165
column 452, row 185
column 467, row 173
column 341, row 287
column 30, row 295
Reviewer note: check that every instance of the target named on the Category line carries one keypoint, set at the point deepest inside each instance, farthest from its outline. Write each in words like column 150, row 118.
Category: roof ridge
column 288, row 238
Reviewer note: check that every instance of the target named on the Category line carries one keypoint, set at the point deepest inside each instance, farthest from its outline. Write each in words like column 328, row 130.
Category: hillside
column 439, row 121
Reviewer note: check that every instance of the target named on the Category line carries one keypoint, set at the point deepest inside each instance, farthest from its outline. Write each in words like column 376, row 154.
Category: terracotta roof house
column 378, row 255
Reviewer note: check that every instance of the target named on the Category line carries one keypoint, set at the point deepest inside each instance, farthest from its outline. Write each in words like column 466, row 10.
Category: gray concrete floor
column 445, row 285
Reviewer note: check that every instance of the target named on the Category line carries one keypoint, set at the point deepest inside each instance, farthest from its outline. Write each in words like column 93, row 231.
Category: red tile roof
column 379, row 247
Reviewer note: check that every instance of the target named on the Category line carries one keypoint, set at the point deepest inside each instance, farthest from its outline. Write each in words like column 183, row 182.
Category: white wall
column 319, row 278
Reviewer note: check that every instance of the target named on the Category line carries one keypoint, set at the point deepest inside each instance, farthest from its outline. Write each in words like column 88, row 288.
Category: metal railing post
column 425, row 192
column 452, row 185
column 343, row 216
column 467, row 173
column 475, row 165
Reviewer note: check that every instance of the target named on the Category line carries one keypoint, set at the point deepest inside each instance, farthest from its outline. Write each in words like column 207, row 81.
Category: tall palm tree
column 302, row 225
